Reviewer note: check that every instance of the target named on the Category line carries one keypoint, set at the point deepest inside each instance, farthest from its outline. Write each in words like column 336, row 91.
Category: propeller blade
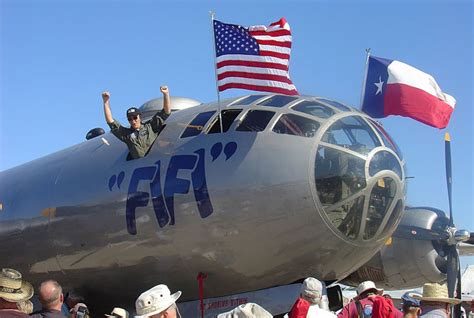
column 457, row 308
column 417, row 233
column 453, row 269
column 449, row 177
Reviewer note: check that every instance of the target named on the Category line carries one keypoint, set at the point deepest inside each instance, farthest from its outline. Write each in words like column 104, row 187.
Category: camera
column 82, row 312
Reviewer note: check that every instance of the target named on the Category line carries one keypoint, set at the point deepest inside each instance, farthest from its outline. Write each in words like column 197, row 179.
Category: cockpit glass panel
column 397, row 211
column 333, row 103
column 347, row 217
column 314, row 108
column 296, row 125
column 228, row 117
column 196, row 125
column 277, row 101
column 248, row 100
column 338, row 175
column 352, row 133
column 387, row 140
column 381, row 198
column 384, row 160
column 255, row 120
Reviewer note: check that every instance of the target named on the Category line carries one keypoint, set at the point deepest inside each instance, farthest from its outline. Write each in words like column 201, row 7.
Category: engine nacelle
column 406, row 263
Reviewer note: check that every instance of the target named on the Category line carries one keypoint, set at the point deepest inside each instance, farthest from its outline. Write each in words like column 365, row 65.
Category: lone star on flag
column 379, row 86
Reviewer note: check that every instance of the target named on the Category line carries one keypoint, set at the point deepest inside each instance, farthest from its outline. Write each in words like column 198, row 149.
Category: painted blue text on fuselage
column 163, row 197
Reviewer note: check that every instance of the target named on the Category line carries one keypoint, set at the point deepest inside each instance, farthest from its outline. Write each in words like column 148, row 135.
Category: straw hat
column 13, row 288
column 155, row 300
column 436, row 292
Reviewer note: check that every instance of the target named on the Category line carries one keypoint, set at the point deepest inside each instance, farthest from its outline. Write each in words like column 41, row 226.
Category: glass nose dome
column 359, row 179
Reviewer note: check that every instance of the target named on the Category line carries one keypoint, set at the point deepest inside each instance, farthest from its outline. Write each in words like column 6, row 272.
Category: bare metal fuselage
column 70, row 216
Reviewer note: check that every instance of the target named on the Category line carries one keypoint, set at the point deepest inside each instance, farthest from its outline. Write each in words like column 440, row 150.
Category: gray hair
column 51, row 297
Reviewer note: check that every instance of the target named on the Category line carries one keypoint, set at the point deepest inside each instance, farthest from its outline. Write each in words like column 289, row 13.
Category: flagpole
column 215, row 69
column 365, row 77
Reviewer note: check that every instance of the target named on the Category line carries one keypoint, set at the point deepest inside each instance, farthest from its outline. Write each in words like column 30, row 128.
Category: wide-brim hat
column 366, row 286
column 436, row 293
column 155, row 300
column 13, row 288
column 249, row 310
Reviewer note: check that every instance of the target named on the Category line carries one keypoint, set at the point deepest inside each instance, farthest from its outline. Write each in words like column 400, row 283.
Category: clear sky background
column 58, row 56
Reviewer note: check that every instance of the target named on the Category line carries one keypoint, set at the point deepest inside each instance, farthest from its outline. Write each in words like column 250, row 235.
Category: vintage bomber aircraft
column 292, row 187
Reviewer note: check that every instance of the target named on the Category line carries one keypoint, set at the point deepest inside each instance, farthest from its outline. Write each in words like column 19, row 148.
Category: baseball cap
column 312, row 288
column 408, row 300
column 133, row 111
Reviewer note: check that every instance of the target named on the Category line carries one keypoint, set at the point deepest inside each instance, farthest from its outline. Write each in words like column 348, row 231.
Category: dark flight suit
column 139, row 141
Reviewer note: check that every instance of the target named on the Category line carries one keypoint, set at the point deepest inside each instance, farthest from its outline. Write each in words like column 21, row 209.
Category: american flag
column 255, row 58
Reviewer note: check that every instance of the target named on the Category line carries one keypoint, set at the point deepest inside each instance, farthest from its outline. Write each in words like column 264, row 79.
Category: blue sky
column 56, row 58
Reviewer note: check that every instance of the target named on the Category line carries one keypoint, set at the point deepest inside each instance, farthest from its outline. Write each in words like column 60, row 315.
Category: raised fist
column 105, row 96
column 164, row 89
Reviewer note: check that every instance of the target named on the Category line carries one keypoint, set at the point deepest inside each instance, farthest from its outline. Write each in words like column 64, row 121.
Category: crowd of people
column 159, row 302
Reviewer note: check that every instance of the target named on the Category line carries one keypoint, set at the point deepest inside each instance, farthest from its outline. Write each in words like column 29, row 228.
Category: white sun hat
column 368, row 285
column 118, row 312
column 312, row 288
column 155, row 300
column 249, row 310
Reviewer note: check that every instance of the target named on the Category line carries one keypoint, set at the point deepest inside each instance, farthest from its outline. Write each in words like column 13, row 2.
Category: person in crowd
column 157, row 302
column 362, row 304
column 118, row 312
column 79, row 310
column 13, row 290
column 309, row 302
column 410, row 306
column 140, row 136
column 70, row 300
column 51, row 298
column 249, row 310
column 435, row 302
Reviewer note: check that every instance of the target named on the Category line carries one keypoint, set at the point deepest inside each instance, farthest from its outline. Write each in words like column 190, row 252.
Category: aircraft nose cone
column 359, row 180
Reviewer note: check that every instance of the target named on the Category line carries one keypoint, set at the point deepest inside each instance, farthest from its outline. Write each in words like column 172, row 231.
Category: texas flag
column 395, row 88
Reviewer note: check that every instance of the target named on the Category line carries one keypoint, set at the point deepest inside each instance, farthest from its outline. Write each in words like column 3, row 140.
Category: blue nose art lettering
column 201, row 194
column 173, row 184
column 136, row 198
column 157, row 198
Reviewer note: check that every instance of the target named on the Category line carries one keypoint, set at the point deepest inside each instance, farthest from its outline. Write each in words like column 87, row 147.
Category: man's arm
column 107, row 112
column 166, row 99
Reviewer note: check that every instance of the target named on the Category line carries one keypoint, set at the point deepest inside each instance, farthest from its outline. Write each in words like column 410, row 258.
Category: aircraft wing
column 466, row 249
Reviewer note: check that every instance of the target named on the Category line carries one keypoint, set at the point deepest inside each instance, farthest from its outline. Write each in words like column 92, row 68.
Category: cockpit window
column 296, row 125
column 381, row 198
column 255, row 120
column 333, row 103
column 277, row 101
column 352, row 133
column 197, row 124
column 228, row 117
column 387, row 140
column 314, row 108
column 248, row 100
column 338, row 175
column 384, row 160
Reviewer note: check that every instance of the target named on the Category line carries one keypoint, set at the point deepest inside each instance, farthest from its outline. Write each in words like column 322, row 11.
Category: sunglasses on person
column 132, row 118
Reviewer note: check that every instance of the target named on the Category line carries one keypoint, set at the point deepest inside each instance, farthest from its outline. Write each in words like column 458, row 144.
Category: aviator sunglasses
column 132, row 118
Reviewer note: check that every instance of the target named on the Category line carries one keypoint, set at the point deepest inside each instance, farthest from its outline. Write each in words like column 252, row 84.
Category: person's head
column 13, row 289
column 410, row 306
column 133, row 117
column 366, row 289
column 72, row 298
column 118, row 312
column 80, row 310
column 51, row 295
column 157, row 302
column 435, row 296
column 312, row 290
